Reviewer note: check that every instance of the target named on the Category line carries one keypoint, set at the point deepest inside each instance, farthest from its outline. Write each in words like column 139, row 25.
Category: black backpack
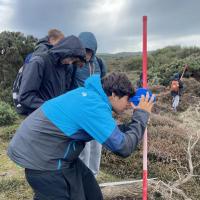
column 15, row 90
column 16, row 86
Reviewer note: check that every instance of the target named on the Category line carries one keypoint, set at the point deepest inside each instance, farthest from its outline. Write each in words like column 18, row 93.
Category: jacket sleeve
column 103, row 128
column 130, row 136
column 30, row 84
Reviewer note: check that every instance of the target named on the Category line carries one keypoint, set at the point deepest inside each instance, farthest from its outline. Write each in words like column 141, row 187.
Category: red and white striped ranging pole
column 144, row 78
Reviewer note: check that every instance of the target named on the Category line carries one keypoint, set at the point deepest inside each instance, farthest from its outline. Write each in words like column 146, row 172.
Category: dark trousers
column 74, row 183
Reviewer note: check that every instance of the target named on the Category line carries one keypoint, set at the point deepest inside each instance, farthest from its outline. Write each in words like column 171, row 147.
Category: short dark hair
column 119, row 84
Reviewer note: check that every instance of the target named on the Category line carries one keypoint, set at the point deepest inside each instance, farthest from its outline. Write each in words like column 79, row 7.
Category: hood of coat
column 89, row 41
column 67, row 47
column 94, row 83
column 43, row 41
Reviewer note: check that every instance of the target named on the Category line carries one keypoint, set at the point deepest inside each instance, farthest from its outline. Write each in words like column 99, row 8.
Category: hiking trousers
column 73, row 183
column 175, row 102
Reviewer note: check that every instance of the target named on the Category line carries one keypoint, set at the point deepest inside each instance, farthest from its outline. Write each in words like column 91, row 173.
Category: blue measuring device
column 139, row 92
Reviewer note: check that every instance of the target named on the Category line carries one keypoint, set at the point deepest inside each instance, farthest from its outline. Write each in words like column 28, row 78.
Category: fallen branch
column 167, row 189
column 125, row 189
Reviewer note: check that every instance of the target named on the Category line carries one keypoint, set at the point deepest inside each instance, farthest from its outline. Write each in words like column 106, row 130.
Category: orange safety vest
column 175, row 86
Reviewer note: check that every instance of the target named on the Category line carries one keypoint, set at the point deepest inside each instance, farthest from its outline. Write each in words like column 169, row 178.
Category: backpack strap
column 101, row 65
column 74, row 68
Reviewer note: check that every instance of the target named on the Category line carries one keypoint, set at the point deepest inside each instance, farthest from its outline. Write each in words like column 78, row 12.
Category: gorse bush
column 7, row 114
column 165, row 71
column 14, row 47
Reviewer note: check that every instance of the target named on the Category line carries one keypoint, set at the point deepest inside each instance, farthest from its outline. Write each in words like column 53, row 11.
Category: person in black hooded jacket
column 49, row 75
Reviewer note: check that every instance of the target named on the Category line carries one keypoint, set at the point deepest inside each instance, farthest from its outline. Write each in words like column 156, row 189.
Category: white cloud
column 6, row 13
column 117, row 24
column 157, row 43
column 104, row 16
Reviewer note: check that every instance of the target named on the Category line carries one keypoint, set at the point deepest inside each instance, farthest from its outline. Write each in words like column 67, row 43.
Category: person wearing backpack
column 48, row 142
column 49, row 74
column 54, row 36
column 91, row 154
column 176, row 89
column 44, row 44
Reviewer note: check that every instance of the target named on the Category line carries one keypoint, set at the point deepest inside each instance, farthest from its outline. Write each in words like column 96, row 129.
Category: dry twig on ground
column 167, row 190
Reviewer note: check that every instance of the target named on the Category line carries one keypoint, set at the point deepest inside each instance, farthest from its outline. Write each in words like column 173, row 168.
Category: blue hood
column 94, row 83
column 89, row 41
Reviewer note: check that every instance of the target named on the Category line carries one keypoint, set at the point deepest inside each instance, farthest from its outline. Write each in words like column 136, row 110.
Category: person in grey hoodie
column 49, row 75
column 91, row 155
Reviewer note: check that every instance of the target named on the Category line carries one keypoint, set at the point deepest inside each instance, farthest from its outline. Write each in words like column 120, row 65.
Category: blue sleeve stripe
column 59, row 164
column 67, row 150
column 115, row 140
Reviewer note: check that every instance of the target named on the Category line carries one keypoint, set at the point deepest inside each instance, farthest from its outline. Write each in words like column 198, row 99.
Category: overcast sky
column 117, row 24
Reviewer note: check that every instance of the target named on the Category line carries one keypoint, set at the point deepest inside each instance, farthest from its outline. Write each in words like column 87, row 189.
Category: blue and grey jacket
column 55, row 134
column 93, row 66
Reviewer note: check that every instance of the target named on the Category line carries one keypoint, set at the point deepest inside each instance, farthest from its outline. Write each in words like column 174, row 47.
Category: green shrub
column 8, row 132
column 164, row 72
column 6, row 95
column 7, row 114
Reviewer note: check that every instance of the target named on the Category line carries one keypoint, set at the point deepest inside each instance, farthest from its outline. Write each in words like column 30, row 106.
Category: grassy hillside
column 169, row 135
column 173, row 156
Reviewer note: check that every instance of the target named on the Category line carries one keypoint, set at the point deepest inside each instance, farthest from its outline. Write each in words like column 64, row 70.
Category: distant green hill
column 120, row 54
column 162, row 63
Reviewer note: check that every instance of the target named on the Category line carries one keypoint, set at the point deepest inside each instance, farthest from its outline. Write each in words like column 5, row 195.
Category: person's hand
column 145, row 104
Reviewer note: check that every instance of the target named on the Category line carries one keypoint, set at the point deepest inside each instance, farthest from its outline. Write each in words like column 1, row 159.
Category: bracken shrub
column 7, row 114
